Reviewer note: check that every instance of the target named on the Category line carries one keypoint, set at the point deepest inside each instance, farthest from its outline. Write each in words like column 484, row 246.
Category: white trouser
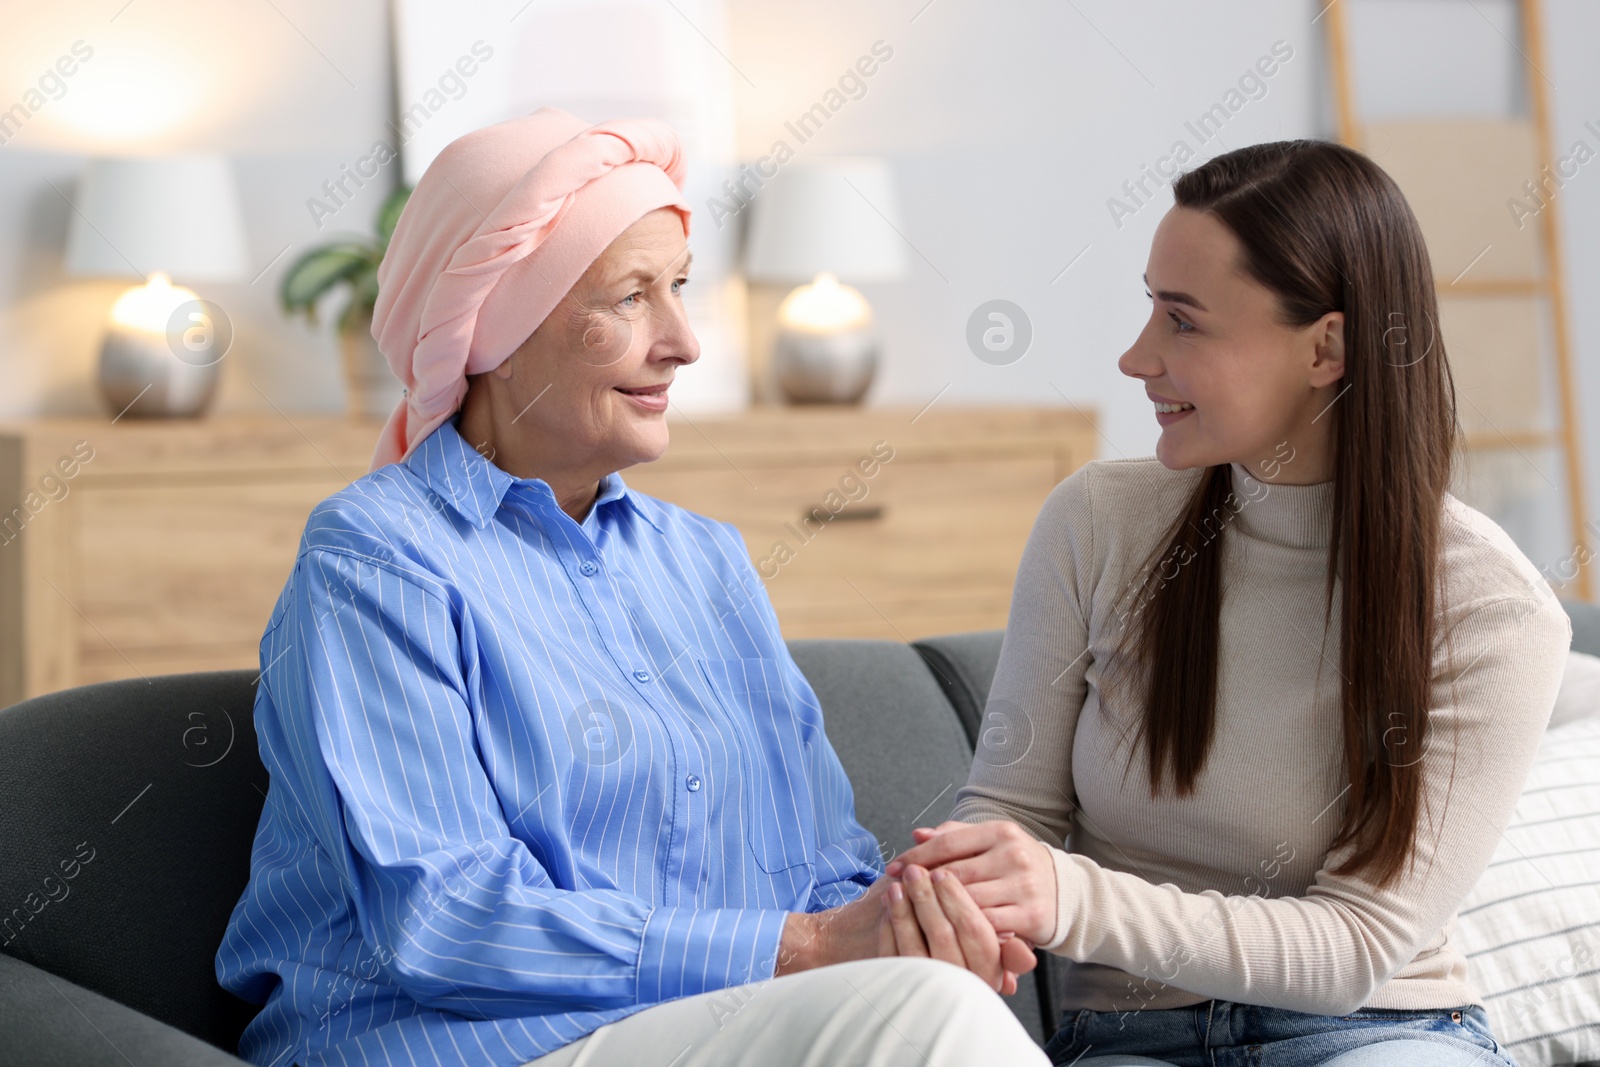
column 884, row 1012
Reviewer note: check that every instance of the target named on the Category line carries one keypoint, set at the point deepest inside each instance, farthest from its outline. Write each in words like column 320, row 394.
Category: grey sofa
column 149, row 792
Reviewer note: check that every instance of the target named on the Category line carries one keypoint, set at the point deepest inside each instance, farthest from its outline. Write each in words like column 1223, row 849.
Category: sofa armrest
column 51, row 1022
column 1585, row 625
column 964, row 665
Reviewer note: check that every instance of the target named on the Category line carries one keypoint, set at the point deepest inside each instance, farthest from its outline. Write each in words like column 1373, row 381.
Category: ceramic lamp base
column 140, row 377
column 824, row 368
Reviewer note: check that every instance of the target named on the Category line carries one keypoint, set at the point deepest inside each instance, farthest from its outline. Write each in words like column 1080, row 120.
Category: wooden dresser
column 144, row 548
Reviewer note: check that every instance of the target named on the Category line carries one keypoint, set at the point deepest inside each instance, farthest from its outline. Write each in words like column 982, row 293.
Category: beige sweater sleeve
column 1327, row 951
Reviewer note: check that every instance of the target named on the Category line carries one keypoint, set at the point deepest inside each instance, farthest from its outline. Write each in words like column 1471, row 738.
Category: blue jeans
column 1224, row 1033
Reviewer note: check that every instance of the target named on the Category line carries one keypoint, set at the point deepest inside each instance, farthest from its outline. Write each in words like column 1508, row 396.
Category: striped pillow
column 1530, row 928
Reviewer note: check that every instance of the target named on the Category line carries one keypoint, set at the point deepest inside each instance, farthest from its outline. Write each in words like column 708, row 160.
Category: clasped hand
column 978, row 895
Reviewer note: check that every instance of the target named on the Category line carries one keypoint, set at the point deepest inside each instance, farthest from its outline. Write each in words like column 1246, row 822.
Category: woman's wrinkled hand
column 931, row 914
column 1010, row 875
column 850, row 931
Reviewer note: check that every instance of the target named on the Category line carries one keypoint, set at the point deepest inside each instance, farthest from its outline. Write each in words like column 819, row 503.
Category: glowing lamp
column 153, row 219
column 818, row 221
column 825, row 349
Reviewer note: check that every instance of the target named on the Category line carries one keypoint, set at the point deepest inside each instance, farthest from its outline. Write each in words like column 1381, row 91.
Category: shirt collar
column 466, row 480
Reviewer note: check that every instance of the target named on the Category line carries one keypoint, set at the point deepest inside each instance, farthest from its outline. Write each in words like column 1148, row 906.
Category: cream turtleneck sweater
column 1227, row 893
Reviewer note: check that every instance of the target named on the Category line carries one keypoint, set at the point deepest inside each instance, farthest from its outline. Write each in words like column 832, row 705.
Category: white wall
column 290, row 96
column 1008, row 125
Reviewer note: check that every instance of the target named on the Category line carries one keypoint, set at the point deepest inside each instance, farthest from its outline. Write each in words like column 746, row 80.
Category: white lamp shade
column 175, row 214
column 836, row 214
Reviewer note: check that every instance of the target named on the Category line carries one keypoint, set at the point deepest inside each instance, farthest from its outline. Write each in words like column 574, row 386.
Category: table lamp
column 157, row 219
column 825, row 222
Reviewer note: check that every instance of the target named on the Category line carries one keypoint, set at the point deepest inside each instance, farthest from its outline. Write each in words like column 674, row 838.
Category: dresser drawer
column 185, row 574
column 916, row 549
column 173, row 542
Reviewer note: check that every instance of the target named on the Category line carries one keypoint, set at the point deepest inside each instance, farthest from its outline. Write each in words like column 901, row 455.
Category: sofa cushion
column 1530, row 928
column 1585, row 625
column 964, row 666
column 1579, row 694
column 130, row 810
column 47, row 1021
column 906, row 755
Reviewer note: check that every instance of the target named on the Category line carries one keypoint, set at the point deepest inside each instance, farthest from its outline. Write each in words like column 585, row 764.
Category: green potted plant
column 371, row 389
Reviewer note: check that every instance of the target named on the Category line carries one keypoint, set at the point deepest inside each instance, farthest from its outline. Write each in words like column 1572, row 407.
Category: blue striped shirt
column 528, row 775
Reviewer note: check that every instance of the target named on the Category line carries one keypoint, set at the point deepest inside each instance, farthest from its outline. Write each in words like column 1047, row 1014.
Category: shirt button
column 693, row 782
column 588, row 567
column 643, row 676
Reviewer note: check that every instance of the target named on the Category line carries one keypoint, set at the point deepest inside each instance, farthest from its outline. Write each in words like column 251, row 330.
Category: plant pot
column 371, row 390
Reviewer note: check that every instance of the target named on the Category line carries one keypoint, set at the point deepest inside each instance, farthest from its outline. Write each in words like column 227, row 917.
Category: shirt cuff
column 686, row 951
column 1066, row 896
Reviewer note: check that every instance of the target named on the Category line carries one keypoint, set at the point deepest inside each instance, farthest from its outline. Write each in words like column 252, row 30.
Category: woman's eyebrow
column 1176, row 298
column 644, row 274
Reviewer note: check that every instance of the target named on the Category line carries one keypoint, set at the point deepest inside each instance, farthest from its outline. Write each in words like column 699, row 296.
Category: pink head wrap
column 499, row 227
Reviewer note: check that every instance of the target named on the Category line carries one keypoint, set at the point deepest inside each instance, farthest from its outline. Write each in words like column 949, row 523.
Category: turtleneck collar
column 1295, row 516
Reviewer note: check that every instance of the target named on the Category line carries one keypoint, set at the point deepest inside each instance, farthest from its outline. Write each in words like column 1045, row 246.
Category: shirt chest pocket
column 776, row 760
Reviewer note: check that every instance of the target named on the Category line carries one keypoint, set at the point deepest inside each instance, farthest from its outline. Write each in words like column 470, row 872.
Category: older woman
column 546, row 784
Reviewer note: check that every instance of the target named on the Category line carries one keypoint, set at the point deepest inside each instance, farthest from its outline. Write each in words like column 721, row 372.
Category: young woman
column 1277, row 684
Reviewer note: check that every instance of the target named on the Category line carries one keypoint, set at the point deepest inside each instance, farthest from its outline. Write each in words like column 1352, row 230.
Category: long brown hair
column 1325, row 229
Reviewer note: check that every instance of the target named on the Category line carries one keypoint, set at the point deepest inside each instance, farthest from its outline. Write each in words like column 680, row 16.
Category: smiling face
column 1215, row 345
column 586, row 393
